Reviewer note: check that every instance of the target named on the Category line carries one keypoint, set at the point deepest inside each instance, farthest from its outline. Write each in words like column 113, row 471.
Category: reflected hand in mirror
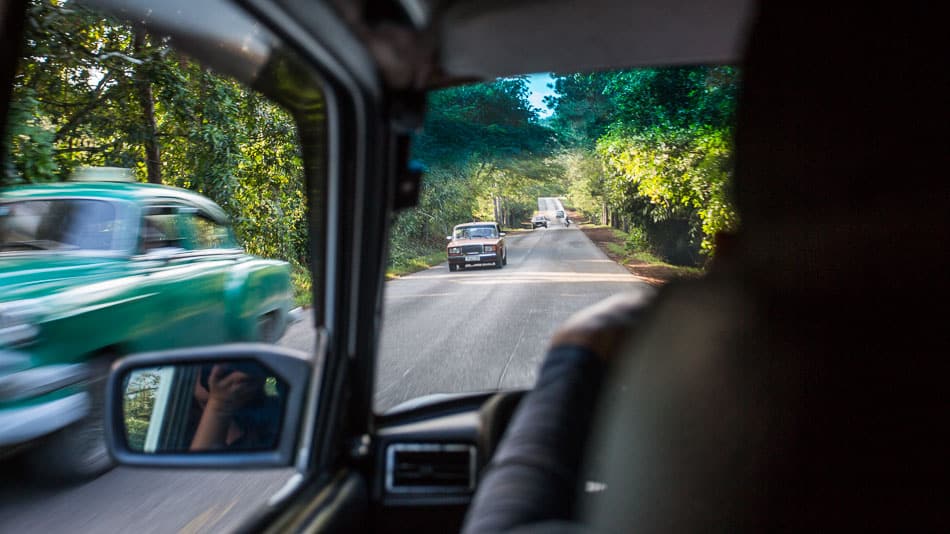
column 224, row 395
column 231, row 405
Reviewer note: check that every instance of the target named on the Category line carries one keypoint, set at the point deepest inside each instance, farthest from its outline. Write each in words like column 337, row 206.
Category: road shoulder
column 654, row 273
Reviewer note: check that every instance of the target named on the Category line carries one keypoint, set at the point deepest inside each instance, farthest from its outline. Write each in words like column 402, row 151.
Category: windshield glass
column 603, row 182
column 57, row 224
column 476, row 232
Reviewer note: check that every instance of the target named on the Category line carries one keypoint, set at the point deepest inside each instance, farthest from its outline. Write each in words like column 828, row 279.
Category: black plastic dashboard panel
column 459, row 428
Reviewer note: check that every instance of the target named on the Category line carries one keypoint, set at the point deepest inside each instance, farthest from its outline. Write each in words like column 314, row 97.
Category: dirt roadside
column 655, row 274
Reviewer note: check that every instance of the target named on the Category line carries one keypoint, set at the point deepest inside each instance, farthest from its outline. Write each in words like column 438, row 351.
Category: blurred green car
column 90, row 271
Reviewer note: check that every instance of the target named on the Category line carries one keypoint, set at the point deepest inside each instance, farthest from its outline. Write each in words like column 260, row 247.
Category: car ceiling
column 423, row 44
column 426, row 44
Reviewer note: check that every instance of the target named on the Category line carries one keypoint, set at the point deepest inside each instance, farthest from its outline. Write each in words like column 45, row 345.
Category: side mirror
column 221, row 406
column 502, row 234
column 448, row 238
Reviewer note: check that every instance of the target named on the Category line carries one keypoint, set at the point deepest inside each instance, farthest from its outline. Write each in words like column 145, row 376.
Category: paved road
column 485, row 328
column 477, row 329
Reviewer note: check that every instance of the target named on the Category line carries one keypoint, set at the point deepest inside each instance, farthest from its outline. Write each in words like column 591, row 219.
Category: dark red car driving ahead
column 476, row 243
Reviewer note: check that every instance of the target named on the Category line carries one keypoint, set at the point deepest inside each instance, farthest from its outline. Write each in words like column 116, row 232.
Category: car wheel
column 504, row 259
column 267, row 328
column 499, row 264
column 77, row 452
column 453, row 267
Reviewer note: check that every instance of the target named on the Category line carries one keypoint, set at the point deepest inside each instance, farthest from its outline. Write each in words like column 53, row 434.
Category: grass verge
column 303, row 286
column 404, row 266
column 640, row 263
column 399, row 267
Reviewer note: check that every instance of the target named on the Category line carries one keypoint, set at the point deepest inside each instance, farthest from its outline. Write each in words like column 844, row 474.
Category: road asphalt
column 485, row 328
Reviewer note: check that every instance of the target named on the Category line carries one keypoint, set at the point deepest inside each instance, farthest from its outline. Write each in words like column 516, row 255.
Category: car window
column 603, row 182
column 476, row 232
column 162, row 228
column 211, row 234
column 57, row 225
column 121, row 149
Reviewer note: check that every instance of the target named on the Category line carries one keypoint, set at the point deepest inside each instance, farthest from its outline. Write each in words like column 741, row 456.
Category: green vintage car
column 93, row 270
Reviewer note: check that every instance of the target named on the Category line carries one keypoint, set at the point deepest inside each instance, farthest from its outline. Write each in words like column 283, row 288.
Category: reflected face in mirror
column 222, row 406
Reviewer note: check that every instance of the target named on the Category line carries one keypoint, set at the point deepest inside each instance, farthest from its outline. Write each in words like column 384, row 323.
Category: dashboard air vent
column 430, row 468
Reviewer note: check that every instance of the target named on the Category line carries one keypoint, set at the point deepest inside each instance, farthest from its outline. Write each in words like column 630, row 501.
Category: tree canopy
column 652, row 148
column 646, row 148
column 92, row 91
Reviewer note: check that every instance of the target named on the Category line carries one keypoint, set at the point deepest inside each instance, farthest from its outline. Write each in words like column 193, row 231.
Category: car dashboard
column 430, row 458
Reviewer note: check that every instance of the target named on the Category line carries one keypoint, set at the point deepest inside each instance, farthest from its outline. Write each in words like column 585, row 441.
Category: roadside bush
column 637, row 241
column 303, row 285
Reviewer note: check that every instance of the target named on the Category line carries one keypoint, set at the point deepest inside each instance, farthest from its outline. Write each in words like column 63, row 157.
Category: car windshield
column 476, row 232
column 638, row 158
column 603, row 182
column 59, row 224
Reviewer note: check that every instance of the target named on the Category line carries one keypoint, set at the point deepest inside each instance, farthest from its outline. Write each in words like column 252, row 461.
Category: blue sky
column 538, row 84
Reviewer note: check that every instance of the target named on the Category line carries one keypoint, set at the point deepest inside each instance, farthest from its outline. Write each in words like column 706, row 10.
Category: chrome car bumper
column 29, row 404
column 19, row 425
column 470, row 259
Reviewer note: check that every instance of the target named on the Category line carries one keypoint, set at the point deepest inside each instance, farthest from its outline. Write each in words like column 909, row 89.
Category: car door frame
column 363, row 149
column 345, row 147
column 348, row 237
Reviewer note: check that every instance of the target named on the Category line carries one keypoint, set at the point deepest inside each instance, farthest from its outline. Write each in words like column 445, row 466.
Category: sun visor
column 215, row 32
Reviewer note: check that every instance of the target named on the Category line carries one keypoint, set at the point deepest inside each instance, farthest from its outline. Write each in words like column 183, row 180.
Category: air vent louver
column 430, row 468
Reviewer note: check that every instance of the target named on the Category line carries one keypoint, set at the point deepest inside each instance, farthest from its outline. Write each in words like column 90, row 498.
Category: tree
column 652, row 148
column 143, row 85
column 483, row 149
column 92, row 91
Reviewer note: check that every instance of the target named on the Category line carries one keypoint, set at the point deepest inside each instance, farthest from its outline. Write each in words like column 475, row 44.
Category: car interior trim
column 477, row 37
column 393, row 449
column 217, row 32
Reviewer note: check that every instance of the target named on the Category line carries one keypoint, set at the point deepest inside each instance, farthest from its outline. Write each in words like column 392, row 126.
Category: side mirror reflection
column 239, row 404
column 232, row 405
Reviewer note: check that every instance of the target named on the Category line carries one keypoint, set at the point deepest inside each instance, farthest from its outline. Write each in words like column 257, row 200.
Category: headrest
column 838, row 148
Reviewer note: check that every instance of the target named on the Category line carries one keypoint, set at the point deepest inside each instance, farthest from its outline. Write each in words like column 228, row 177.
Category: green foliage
column 583, row 172
column 303, row 285
column 486, row 158
column 649, row 150
column 138, row 405
column 636, row 240
column 583, row 108
column 78, row 100
column 30, row 143
column 410, row 264
column 652, row 149
column 474, row 126
column 643, row 148
column 672, row 176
